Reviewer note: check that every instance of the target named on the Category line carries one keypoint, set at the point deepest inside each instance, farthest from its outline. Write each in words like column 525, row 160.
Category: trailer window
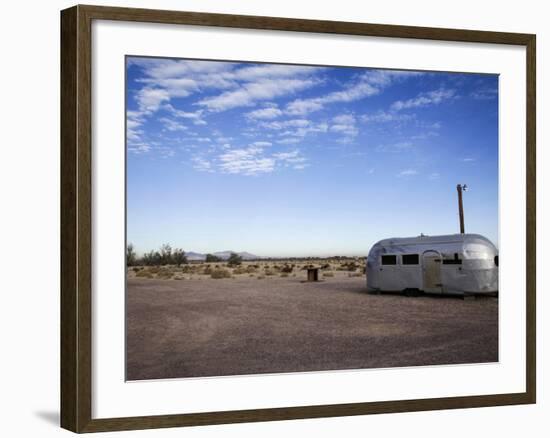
column 454, row 261
column 496, row 260
column 410, row 259
column 389, row 260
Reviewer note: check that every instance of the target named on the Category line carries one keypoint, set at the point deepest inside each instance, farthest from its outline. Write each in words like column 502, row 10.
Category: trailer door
column 431, row 268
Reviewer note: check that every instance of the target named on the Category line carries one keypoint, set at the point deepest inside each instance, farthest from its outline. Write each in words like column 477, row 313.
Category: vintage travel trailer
column 464, row 264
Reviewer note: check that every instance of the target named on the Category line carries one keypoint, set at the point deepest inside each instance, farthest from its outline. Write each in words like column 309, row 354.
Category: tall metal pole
column 460, row 208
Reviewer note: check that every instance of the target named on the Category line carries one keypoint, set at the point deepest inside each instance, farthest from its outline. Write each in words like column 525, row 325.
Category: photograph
column 289, row 218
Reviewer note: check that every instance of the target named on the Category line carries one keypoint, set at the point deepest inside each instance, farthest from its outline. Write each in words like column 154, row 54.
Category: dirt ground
column 214, row 327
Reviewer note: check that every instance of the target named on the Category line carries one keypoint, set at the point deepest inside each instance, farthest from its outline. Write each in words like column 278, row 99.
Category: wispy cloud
column 468, row 160
column 407, row 172
column 424, row 99
column 172, row 125
column 251, row 92
column 345, row 124
column 201, row 164
column 386, row 117
column 268, row 113
column 248, row 161
column 367, row 84
column 484, row 94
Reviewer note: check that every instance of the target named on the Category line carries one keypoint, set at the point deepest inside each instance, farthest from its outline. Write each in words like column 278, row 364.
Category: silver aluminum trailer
column 462, row 264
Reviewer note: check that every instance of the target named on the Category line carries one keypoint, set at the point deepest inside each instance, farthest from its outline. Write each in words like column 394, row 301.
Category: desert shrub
column 178, row 257
column 165, row 274
column 348, row 266
column 151, row 258
column 284, row 274
column 154, row 269
column 240, row 270
column 144, row 274
column 269, row 272
column 355, row 274
column 220, row 273
column 287, row 269
column 234, row 259
column 137, row 268
column 131, row 257
column 325, row 266
column 211, row 258
column 328, row 274
column 165, row 254
column 260, row 277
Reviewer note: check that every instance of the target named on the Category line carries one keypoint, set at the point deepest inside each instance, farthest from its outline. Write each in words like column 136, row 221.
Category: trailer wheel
column 411, row 292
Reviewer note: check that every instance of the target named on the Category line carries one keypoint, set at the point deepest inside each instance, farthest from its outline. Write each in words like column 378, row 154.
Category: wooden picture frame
column 76, row 218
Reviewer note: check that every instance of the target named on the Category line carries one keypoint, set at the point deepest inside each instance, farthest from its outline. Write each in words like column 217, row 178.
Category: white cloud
column 265, row 113
column 484, row 94
column 434, row 176
column 424, row 99
column 468, row 160
column 386, row 117
column 408, row 172
column 289, row 140
column 367, row 84
column 262, row 143
column 139, row 148
column 172, row 125
column 195, row 116
column 345, row 124
column 248, row 161
column 202, row 164
column 250, row 92
column 150, row 99
column 301, row 107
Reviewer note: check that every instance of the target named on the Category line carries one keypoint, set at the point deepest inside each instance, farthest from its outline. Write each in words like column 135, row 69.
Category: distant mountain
column 224, row 255
column 194, row 255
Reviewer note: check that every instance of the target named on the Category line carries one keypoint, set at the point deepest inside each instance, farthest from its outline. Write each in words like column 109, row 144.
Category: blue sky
column 290, row 160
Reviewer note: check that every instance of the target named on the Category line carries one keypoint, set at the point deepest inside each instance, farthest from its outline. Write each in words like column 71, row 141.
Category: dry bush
column 260, row 277
column 328, row 274
column 165, row 274
column 269, row 272
column 220, row 273
column 144, row 274
column 284, row 274
column 154, row 269
column 348, row 266
column 137, row 268
column 240, row 270
column 287, row 268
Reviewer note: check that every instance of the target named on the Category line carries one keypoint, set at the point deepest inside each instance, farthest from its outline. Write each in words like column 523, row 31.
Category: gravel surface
column 208, row 327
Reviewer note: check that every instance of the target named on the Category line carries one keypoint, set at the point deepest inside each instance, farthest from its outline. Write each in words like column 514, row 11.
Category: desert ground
column 209, row 319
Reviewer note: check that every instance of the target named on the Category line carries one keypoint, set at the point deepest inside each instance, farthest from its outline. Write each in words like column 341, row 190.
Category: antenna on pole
column 461, row 188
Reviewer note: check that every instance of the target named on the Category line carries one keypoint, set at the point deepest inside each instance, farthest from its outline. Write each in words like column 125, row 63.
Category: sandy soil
column 243, row 325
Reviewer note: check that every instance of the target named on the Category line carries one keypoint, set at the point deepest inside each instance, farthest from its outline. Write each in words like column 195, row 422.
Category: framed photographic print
column 270, row 218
